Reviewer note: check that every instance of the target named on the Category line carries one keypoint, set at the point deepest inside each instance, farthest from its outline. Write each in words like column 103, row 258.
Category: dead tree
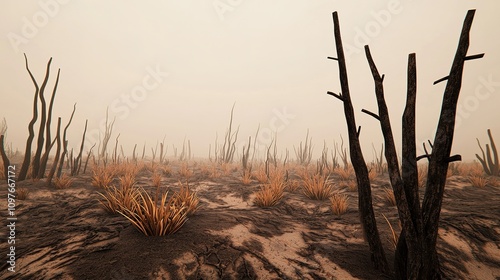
column 58, row 153
column 367, row 215
column 490, row 163
column 43, row 119
column 65, row 144
column 31, row 132
column 416, row 255
column 48, row 142
column 5, row 159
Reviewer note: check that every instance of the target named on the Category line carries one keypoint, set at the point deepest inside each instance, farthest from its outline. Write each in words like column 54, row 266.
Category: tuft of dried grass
column 268, row 196
column 339, row 203
column 261, row 174
column 155, row 217
column 246, row 177
column 293, row 185
column 156, row 179
column 22, row 193
column 184, row 171
column 102, row 176
column 389, row 196
column 127, row 181
column 118, row 199
column 186, row 199
column 316, row 186
column 478, row 181
column 63, row 182
column 372, row 175
column 345, row 174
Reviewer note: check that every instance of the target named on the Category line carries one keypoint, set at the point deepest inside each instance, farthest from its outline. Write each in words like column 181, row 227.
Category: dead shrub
column 63, row 182
column 22, row 193
column 339, row 203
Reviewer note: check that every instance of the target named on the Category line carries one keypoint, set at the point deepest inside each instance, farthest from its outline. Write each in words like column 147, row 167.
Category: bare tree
column 367, row 215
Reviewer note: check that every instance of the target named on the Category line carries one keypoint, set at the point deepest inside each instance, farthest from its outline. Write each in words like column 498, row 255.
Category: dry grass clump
column 389, row 196
column 155, row 217
column 293, row 185
column 117, row 199
column 186, row 199
column 246, row 177
column 63, row 182
column 316, row 186
column 184, row 171
column 339, row 203
column 372, row 175
column 478, row 181
column 127, row 181
column 268, row 196
column 345, row 174
column 156, row 179
column 22, row 193
column 261, row 174
column 102, row 176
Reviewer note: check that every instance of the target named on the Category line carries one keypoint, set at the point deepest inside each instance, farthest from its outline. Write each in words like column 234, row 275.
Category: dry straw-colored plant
column 102, row 177
column 345, row 174
column 389, row 196
column 261, row 174
column 372, row 175
column 394, row 235
column 156, row 179
column 184, row 171
column 186, row 199
column 127, row 181
column 293, row 185
column 268, row 196
column 246, row 177
column 117, row 199
column 339, row 203
column 63, row 182
column 316, row 186
column 478, row 181
column 155, row 217
column 22, row 193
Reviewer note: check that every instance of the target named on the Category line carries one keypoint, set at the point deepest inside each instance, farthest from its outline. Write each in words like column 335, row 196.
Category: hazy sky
column 174, row 68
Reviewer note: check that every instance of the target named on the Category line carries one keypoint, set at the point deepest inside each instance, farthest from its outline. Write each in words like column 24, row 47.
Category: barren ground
column 65, row 234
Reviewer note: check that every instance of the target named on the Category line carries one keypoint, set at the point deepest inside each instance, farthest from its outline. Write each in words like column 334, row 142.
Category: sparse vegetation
column 339, row 203
column 22, row 193
column 478, row 181
column 316, row 186
column 389, row 196
column 268, row 196
column 63, row 182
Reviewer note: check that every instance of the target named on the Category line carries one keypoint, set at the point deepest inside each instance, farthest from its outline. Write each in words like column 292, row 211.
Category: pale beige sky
column 175, row 68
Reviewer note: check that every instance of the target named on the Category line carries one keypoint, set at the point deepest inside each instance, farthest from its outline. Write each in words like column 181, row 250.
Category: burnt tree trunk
column 48, row 141
column 58, row 153
column 367, row 215
column 43, row 119
column 5, row 159
column 440, row 156
column 65, row 145
column 416, row 255
column 27, row 153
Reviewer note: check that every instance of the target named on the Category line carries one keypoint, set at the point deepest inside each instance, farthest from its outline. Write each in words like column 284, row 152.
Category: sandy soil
column 65, row 234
